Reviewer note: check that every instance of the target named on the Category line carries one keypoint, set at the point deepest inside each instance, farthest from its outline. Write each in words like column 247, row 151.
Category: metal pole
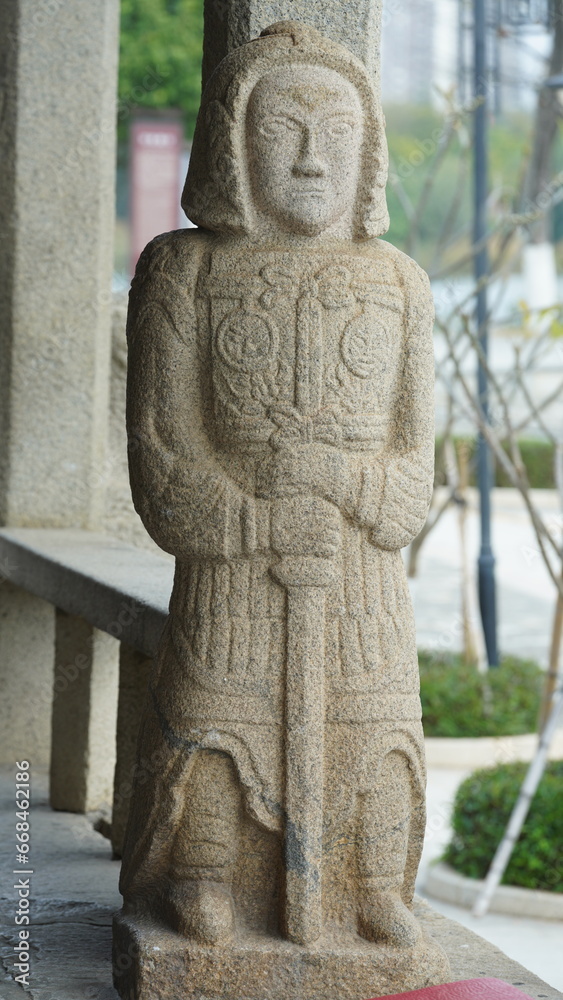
column 461, row 81
column 497, row 27
column 487, row 589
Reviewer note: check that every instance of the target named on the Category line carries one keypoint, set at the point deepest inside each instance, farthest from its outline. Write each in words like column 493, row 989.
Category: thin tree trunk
column 545, row 131
column 521, row 809
column 553, row 673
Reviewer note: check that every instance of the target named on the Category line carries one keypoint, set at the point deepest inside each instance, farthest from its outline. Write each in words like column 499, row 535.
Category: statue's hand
column 305, row 526
column 304, row 470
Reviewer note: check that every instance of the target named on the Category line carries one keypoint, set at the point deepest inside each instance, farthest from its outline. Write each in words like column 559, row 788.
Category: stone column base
column 153, row 963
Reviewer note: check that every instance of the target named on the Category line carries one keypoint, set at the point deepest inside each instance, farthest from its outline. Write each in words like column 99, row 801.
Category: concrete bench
column 110, row 604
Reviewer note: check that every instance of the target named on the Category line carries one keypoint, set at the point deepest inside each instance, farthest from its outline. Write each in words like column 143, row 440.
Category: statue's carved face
column 304, row 139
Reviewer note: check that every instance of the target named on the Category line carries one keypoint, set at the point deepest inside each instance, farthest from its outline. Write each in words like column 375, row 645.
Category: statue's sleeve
column 395, row 489
column 186, row 501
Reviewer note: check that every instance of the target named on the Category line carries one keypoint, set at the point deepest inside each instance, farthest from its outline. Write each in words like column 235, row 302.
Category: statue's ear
column 372, row 216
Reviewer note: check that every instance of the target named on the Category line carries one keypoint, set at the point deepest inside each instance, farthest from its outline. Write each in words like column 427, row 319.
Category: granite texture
column 57, row 145
column 134, row 673
column 58, row 78
column 230, row 23
column 84, row 716
column 149, row 961
column 27, row 649
column 280, row 426
column 118, row 588
column 120, row 518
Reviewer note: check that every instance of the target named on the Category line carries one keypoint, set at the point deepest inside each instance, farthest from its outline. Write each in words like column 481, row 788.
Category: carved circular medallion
column 247, row 340
column 364, row 346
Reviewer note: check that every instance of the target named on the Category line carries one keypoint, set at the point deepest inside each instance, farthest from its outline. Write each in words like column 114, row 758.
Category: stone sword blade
column 306, row 580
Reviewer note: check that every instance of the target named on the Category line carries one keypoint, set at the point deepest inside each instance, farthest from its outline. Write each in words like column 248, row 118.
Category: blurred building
column 408, row 50
column 427, row 47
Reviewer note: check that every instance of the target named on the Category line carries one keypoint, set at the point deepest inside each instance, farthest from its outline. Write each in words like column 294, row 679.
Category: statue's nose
column 308, row 163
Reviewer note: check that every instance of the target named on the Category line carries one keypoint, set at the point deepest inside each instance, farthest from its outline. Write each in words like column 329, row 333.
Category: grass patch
column 482, row 809
column 537, row 456
column 455, row 701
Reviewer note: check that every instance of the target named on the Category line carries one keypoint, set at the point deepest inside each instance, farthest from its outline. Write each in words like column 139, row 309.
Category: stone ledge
column 442, row 882
column 116, row 587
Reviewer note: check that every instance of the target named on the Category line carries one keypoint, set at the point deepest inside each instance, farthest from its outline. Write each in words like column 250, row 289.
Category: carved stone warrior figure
column 280, row 415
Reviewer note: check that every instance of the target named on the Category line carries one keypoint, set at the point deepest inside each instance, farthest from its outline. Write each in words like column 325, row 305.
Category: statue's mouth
column 310, row 192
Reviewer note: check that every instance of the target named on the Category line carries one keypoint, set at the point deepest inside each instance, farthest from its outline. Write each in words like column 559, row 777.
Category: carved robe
column 238, row 349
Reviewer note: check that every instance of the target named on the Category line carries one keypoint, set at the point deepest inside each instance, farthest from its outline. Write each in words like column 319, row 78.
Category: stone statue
column 280, row 418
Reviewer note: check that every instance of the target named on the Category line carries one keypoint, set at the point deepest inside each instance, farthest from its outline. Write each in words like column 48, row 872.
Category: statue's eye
column 276, row 128
column 339, row 128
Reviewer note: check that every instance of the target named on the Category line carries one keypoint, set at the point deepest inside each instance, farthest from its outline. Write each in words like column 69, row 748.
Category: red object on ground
column 467, row 989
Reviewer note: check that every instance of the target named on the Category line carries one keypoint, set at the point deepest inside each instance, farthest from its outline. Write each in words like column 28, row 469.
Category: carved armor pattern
column 301, row 352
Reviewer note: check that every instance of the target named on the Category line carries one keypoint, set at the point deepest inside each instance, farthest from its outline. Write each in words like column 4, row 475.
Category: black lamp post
column 518, row 14
column 486, row 563
column 554, row 82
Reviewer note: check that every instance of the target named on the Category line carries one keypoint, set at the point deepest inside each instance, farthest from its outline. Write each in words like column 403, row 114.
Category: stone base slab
column 153, row 963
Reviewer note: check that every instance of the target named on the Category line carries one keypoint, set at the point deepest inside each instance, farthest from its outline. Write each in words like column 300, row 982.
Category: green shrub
column 481, row 811
column 459, row 701
column 537, row 455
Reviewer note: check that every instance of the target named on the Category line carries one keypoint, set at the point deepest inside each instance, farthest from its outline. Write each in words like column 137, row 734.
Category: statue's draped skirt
column 219, row 684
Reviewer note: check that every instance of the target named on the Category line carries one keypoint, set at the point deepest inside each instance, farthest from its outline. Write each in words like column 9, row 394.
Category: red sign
column 156, row 163
column 466, row 989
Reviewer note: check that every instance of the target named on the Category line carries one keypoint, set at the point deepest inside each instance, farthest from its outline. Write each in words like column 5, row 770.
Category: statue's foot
column 203, row 911
column 384, row 917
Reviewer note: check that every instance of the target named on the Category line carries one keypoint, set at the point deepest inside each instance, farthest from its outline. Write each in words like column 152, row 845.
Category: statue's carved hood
column 217, row 191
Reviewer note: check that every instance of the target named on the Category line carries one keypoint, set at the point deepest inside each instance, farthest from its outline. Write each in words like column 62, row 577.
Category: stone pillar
column 27, row 641
column 57, row 146
column 84, row 716
column 134, row 671
column 230, row 23
column 58, row 69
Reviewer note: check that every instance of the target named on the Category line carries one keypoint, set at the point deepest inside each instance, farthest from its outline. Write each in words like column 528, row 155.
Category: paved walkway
column 526, row 599
column 525, row 593
column 74, row 893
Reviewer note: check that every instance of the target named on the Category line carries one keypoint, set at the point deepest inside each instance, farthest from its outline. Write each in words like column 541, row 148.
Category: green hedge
column 455, row 702
column 538, row 457
column 481, row 811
